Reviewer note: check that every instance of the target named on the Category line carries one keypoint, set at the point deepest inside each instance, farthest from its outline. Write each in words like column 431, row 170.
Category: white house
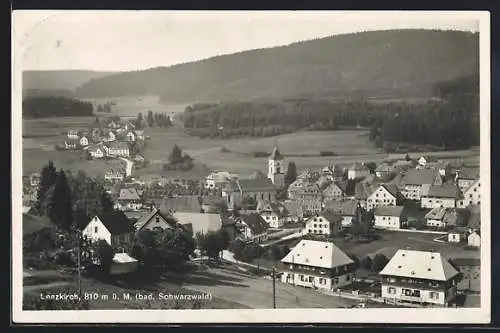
column 73, row 134
column 390, row 217
column 441, row 196
column 442, row 217
column 114, row 228
column 131, row 137
column 358, row 171
column 114, row 175
column 273, row 213
column 217, row 179
column 252, row 227
column 419, row 276
column 97, row 151
column 417, row 182
column 471, row 195
column 119, row 149
column 424, row 160
column 129, row 199
column 317, row 265
column 385, row 195
column 324, row 223
column 466, row 176
column 84, row 141
column 474, row 239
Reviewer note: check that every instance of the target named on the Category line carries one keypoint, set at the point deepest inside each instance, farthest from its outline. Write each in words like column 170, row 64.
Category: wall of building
column 101, row 233
column 430, row 202
column 387, row 222
column 313, row 281
column 394, row 292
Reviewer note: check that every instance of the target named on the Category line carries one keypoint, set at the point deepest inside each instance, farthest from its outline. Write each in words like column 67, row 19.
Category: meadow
column 349, row 146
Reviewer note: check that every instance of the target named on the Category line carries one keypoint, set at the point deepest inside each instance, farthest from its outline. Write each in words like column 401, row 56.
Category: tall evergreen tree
column 60, row 210
column 150, row 119
column 138, row 121
column 175, row 155
column 47, row 179
column 291, row 173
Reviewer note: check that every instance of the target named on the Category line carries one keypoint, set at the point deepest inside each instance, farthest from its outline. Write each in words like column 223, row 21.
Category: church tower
column 276, row 172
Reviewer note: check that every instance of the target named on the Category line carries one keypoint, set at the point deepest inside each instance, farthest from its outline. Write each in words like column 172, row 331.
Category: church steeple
column 276, row 172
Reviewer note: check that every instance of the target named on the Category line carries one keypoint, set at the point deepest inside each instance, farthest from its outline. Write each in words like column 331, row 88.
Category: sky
column 135, row 40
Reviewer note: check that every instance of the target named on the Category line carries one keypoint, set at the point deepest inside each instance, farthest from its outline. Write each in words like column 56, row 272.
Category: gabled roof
column 250, row 185
column 444, row 191
column 392, row 189
column 185, row 204
column 199, row 222
column 330, row 216
column 420, row 176
column 344, row 208
column 419, row 265
column 388, row 211
column 317, row 254
column 275, row 155
column 342, row 185
column 437, row 213
column 116, row 222
column 385, row 167
column 274, row 207
column 129, row 194
column 148, row 217
column 468, row 173
column 255, row 222
column 118, row 145
column 477, row 181
column 358, row 167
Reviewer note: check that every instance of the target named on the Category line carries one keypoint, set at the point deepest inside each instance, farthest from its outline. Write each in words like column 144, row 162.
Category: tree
column 60, row 208
column 250, row 252
column 213, row 243
column 291, row 173
column 379, row 262
column 150, row 119
column 354, row 258
column 407, row 157
column 103, row 253
column 138, row 121
column 48, row 177
column 175, row 155
column 275, row 252
column 366, row 263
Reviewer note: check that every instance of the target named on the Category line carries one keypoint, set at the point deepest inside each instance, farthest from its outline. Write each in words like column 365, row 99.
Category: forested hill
column 448, row 121
column 58, row 80
column 395, row 61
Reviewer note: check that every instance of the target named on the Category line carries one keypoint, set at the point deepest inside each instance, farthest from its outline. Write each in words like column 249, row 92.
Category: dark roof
column 148, row 217
column 33, row 224
column 275, row 155
column 468, row 173
column 274, row 207
column 116, row 222
column 232, row 186
column 393, row 190
column 251, row 185
column 330, row 215
column 255, row 222
column 420, row 176
column 344, row 208
column 185, row 203
column 444, row 191
column 389, row 211
column 461, row 262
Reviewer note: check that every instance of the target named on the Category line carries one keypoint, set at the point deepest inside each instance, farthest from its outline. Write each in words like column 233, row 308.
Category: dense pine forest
column 450, row 120
column 51, row 106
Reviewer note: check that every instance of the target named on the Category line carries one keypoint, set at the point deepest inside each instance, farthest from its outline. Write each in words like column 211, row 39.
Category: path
column 129, row 166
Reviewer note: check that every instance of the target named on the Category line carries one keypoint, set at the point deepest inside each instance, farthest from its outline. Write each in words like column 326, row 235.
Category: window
column 434, row 295
column 309, row 230
column 157, row 219
column 301, row 277
column 311, row 279
column 95, row 229
column 336, row 280
column 391, row 290
column 347, row 277
column 315, row 225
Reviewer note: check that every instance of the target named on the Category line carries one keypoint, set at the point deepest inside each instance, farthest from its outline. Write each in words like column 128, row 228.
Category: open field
column 130, row 106
column 350, row 146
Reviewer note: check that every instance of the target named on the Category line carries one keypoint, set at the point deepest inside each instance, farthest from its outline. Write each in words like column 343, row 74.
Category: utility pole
column 274, row 288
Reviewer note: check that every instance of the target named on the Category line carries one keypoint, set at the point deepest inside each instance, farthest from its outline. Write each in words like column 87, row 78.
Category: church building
column 276, row 171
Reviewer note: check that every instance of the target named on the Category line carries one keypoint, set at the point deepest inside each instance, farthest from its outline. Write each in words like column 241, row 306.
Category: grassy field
column 350, row 146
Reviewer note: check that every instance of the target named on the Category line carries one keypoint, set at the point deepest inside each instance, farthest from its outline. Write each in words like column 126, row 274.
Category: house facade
column 420, row 277
column 273, row 213
column 358, row 171
column 335, row 191
column 84, row 141
column 72, row 134
column 384, row 195
column 417, row 182
column 154, row 220
column 465, row 177
column 317, row 265
column 252, row 227
column 325, row 223
column 471, row 195
column 441, row 196
column 97, row 151
column 390, row 217
column 441, row 217
column 113, row 175
column 347, row 209
column 119, row 149
column 114, row 228
column 474, row 239
column 34, row 179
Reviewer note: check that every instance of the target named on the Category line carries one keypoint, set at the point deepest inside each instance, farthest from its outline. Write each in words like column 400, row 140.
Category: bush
column 379, row 262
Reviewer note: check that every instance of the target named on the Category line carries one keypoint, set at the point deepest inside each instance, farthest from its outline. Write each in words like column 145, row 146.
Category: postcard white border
column 415, row 316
